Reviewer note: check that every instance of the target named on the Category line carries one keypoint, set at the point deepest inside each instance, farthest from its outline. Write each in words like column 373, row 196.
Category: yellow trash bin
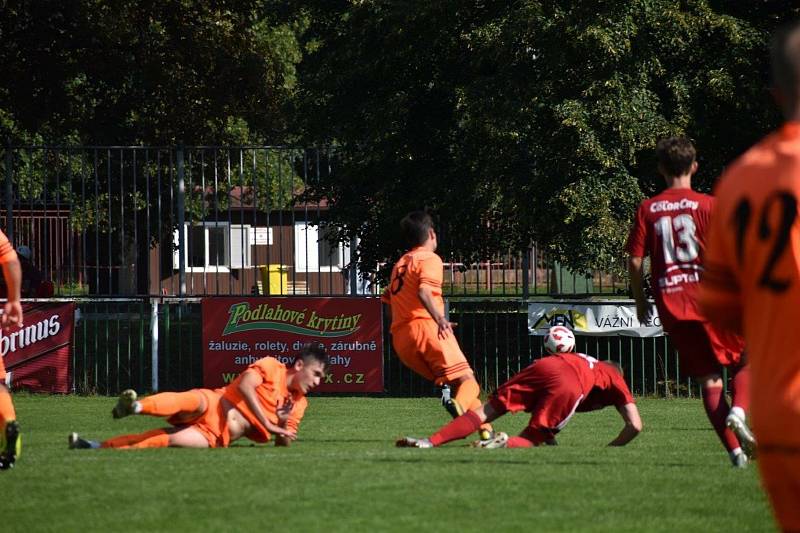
column 275, row 278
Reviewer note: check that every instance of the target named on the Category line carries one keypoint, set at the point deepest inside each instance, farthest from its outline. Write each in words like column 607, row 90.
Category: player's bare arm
column 633, row 425
column 12, row 311
column 426, row 297
column 247, row 387
column 636, row 271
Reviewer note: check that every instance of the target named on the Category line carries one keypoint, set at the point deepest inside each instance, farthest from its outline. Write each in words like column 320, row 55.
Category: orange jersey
column 272, row 393
column 752, row 277
column 7, row 252
column 416, row 268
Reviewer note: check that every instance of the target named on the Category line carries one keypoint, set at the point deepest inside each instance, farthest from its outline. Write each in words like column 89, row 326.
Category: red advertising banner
column 37, row 356
column 239, row 331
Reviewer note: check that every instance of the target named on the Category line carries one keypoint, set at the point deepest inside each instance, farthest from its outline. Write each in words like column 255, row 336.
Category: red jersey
column 609, row 389
column 671, row 227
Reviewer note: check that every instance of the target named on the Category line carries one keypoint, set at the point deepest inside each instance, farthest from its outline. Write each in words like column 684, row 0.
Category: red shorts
column 212, row 423
column 548, row 389
column 704, row 349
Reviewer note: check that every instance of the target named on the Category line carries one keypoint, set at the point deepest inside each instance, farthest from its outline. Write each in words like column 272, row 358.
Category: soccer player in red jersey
column 552, row 389
column 752, row 280
column 267, row 399
column 671, row 228
column 10, row 439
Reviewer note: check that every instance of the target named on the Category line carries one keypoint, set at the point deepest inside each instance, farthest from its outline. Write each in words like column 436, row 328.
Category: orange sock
column 6, row 407
column 467, row 394
column 156, row 438
column 171, row 403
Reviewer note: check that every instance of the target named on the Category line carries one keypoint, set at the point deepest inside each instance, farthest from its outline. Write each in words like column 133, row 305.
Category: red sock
column 156, row 438
column 459, row 428
column 740, row 387
column 518, row 442
column 717, row 409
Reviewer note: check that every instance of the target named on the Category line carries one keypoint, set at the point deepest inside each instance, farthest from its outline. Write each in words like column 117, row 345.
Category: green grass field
column 345, row 475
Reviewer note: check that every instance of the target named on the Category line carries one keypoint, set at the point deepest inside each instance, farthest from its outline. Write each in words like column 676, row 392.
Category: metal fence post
column 10, row 194
column 353, row 267
column 526, row 267
column 154, row 345
column 181, row 220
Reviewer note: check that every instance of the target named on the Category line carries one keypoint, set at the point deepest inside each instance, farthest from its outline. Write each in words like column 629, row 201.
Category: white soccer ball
column 559, row 339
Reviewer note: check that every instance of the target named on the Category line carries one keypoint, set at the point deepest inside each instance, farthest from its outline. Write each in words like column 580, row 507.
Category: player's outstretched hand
column 286, row 433
column 12, row 315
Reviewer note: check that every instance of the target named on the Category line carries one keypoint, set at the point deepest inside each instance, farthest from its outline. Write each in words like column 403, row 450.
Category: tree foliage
column 527, row 120
column 512, row 122
column 150, row 72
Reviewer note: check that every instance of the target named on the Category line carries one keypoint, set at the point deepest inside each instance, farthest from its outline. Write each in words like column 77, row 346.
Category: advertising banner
column 37, row 356
column 593, row 318
column 239, row 331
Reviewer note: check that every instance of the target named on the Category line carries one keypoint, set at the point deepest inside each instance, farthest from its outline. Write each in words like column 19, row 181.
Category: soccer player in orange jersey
column 671, row 228
column 10, row 439
column 267, row 399
column 752, row 280
column 421, row 335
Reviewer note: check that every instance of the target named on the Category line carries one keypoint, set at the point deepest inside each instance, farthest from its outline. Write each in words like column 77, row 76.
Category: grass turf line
column 345, row 475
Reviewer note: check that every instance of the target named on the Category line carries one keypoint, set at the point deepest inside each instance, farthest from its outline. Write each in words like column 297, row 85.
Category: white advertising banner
column 607, row 317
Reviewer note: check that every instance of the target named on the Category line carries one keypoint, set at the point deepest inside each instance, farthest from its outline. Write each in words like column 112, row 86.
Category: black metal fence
column 210, row 220
column 114, row 349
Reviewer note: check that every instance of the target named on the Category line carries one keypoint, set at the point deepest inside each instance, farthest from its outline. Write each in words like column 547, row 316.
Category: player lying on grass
column 552, row 389
column 268, row 398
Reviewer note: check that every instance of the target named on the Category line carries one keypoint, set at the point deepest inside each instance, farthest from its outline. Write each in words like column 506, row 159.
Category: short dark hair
column 675, row 155
column 415, row 226
column 785, row 63
column 313, row 352
column 616, row 366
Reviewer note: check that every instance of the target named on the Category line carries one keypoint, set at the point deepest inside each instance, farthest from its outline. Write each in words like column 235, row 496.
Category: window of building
column 314, row 253
column 213, row 247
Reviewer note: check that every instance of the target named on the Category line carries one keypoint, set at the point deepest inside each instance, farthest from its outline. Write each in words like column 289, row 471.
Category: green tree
column 148, row 72
column 526, row 121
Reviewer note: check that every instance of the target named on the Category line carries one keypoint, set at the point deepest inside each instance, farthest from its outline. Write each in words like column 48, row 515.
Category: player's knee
column 710, row 381
column 462, row 379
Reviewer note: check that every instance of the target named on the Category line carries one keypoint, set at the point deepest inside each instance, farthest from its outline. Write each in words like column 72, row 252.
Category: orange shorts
column 780, row 474
column 212, row 423
column 419, row 348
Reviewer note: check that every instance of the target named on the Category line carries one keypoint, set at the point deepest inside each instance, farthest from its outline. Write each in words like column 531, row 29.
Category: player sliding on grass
column 671, row 228
column 268, row 398
column 552, row 389
column 421, row 335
